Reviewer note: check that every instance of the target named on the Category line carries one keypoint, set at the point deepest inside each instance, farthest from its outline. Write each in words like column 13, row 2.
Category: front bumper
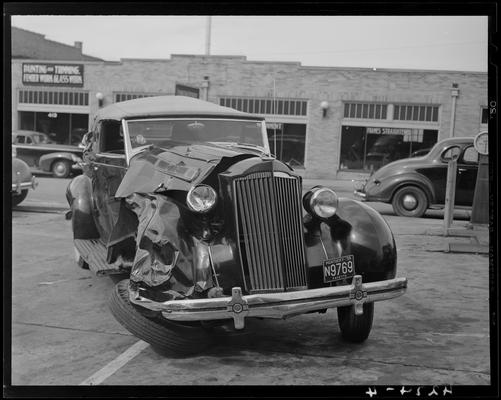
column 17, row 187
column 274, row 305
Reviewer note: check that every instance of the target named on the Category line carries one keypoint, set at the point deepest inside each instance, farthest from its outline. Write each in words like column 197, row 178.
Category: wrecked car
column 183, row 195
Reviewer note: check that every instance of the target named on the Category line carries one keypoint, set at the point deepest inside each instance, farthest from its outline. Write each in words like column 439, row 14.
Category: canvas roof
column 159, row 106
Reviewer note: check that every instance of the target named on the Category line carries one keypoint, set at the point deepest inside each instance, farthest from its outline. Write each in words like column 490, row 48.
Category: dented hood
column 176, row 168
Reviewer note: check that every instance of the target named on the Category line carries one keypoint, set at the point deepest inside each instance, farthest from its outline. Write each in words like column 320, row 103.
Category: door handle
column 462, row 169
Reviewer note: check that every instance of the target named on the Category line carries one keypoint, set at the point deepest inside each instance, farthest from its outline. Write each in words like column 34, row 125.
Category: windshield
column 171, row 132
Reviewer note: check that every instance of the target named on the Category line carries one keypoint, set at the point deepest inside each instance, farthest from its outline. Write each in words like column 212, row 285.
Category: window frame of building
column 365, row 110
column 416, row 112
column 118, row 97
column 282, row 106
column 484, row 109
column 79, row 98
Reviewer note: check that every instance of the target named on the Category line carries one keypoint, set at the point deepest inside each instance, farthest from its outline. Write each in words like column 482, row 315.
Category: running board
column 94, row 253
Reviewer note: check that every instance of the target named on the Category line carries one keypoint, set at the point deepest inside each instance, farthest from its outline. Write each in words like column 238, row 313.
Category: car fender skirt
column 369, row 238
column 169, row 261
column 357, row 230
column 79, row 197
column 47, row 159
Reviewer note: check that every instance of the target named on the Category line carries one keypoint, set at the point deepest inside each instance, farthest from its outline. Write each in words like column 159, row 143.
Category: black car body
column 42, row 154
column 413, row 185
column 184, row 194
column 22, row 180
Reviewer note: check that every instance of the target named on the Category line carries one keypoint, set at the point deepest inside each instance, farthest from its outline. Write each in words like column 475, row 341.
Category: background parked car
column 22, row 180
column 42, row 154
column 420, row 152
column 413, row 185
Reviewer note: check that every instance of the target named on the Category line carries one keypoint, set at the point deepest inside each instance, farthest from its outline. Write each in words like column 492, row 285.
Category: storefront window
column 287, row 142
column 62, row 128
column 368, row 149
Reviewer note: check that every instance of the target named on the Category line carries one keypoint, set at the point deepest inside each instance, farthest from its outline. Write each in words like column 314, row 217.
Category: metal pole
column 450, row 194
column 275, row 129
column 207, row 36
column 454, row 94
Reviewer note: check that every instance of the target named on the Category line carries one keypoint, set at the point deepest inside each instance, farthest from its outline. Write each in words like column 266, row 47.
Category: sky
column 409, row 42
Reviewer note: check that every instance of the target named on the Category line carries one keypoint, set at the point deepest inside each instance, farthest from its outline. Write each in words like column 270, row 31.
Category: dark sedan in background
column 413, row 185
column 43, row 155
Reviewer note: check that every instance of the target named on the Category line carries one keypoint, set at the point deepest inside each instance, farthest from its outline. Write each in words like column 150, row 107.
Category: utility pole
column 207, row 36
column 454, row 94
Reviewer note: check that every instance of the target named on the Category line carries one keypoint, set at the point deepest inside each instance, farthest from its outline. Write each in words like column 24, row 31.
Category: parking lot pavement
column 437, row 333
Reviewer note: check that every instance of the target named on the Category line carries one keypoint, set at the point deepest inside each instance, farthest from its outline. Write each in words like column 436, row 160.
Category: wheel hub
column 60, row 168
column 409, row 202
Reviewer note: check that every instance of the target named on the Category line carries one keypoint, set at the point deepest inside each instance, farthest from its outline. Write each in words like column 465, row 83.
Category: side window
column 470, row 155
column 451, row 153
column 20, row 139
column 111, row 137
column 28, row 140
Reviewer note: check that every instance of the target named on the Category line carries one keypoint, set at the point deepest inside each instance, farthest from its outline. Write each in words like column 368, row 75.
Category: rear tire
column 355, row 328
column 18, row 198
column 410, row 201
column 167, row 337
column 61, row 168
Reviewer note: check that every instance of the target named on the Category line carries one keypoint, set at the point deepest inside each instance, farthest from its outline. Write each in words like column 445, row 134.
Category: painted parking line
column 112, row 367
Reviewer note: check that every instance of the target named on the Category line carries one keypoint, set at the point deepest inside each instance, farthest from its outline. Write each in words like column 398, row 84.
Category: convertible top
column 159, row 106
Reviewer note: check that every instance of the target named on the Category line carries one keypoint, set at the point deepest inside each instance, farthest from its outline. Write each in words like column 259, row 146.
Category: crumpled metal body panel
column 167, row 256
column 178, row 168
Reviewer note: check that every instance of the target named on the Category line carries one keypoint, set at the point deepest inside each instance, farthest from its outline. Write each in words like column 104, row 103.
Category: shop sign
column 182, row 90
column 274, row 125
column 389, row 131
column 410, row 135
column 71, row 75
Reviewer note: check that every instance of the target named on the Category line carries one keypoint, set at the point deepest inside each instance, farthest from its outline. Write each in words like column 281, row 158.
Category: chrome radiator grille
column 271, row 234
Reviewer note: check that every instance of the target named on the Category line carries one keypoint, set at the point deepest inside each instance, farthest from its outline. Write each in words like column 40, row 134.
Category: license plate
column 339, row 268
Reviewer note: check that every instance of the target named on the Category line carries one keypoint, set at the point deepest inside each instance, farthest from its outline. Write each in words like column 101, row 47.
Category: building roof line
column 60, row 44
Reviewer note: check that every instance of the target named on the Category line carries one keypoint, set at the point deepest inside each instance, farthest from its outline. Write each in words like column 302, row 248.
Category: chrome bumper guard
column 275, row 305
column 17, row 187
column 360, row 195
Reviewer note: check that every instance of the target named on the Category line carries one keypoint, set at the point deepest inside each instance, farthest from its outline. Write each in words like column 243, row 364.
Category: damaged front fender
column 168, row 258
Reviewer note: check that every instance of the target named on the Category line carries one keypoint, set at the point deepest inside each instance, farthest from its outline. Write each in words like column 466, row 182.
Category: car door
column 466, row 176
column 107, row 166
column 25, row 150
column 436, row 171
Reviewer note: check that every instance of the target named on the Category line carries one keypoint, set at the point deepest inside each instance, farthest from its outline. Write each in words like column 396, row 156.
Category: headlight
column 201, row 198
column 321, row 202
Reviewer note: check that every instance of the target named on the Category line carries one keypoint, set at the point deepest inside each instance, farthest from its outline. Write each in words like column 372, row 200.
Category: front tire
column 167, row 337
column 410, row 201
column 61, row 168
column 18, row 198
column 355, row 328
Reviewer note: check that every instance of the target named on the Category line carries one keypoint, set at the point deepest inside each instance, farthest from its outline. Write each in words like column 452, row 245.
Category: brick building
column 323, row 121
